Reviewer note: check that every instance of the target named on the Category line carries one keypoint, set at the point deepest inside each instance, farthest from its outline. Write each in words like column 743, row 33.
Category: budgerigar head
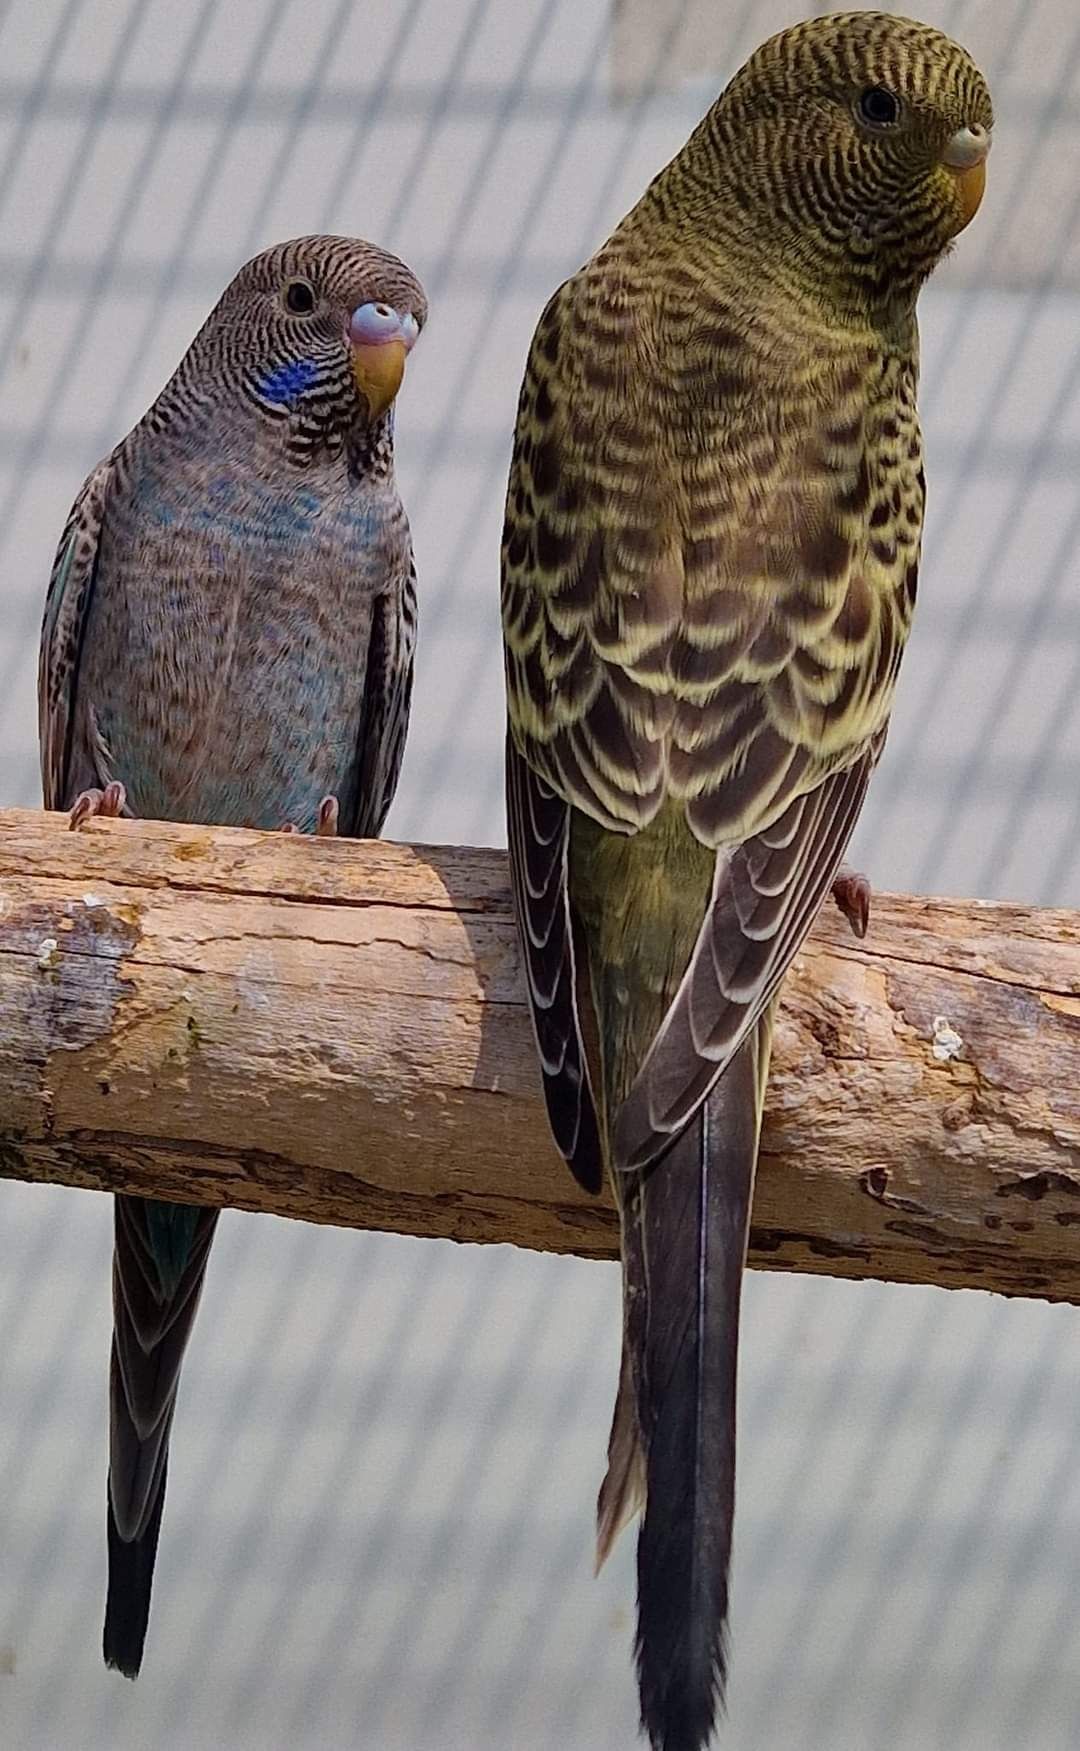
column 860, row 139
column 317, row 331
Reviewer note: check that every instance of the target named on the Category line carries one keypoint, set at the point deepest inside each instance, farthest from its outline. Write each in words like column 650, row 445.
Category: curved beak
column 964, row 158
column 380, row 338
column 378, row 367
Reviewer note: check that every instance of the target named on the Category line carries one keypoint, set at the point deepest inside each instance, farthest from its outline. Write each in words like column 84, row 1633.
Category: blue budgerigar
column 228, row 639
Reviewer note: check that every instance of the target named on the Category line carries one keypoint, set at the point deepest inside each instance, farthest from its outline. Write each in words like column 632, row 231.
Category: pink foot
column 108, row 803
column 852, row 891
column 326, row 820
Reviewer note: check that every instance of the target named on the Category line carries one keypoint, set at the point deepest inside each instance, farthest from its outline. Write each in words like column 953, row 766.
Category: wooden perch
column 336, row 1031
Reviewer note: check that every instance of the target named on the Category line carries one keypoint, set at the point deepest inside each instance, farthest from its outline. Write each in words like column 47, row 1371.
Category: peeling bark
column 337, row 1032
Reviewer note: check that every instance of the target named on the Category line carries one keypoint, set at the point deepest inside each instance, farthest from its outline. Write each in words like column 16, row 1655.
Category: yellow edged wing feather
column 706, row 593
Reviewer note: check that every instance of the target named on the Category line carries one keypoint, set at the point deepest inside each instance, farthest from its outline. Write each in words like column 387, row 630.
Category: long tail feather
column 131, row 1580
column 685, row 1226
column 622, row 1493
column 159, row 1262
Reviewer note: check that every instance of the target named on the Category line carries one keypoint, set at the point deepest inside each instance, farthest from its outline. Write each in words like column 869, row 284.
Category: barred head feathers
column 853, row 142
column 279, row 340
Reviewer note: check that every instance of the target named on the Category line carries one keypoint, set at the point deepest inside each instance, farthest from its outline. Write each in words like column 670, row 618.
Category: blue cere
column 285, row 383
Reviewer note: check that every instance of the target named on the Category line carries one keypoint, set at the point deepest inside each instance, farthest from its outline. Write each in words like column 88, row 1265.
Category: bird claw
column 851, row 891
column 326, row 820
column 109, row 804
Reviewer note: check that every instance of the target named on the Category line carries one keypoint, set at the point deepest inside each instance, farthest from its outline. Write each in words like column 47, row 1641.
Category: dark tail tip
column 681, row 1677
column 692, row 1213
column 131, row 1579
column 678, row 1716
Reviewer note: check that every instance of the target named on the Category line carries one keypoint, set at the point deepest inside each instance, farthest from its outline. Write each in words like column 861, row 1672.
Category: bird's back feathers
column 712, row 619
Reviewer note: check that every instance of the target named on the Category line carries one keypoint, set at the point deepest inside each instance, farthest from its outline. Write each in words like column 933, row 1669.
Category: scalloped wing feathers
column 709, row 564
column 66, row 607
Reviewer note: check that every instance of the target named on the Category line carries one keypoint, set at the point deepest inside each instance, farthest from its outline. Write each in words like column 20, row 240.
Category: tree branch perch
column 337, row 1032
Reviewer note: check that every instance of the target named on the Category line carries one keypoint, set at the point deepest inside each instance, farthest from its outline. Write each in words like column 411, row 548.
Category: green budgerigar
column 710, row 560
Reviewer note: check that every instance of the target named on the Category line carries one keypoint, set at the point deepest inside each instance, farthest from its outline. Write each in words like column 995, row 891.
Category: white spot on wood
column 92, row 900
column 48, row 953
column 947, row 1042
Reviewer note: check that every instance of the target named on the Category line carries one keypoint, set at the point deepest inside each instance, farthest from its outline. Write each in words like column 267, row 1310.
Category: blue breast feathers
column 286, row 383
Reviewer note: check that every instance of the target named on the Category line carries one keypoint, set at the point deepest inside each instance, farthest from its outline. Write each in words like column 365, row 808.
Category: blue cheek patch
column 286, row 383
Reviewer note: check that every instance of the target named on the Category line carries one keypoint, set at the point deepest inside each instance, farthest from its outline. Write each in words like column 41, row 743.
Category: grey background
column 379, row 1519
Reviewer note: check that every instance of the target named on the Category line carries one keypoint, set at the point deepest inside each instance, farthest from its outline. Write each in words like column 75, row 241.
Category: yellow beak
column 970, row 184
column 378, row 368
column 965, row 160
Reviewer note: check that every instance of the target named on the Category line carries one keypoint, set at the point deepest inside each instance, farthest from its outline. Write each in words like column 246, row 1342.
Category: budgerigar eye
column 299, row 296
column 879, row 107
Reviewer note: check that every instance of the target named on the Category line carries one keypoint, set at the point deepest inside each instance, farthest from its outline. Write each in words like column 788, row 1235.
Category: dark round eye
column 879, row 107
column 299, row 297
